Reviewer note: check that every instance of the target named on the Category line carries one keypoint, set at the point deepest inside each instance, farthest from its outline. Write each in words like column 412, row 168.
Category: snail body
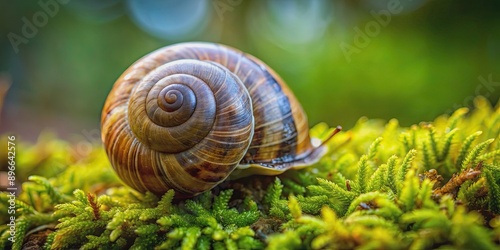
column 185, row 116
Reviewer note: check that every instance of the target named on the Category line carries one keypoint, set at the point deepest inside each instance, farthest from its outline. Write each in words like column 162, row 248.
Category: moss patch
column 381, row 186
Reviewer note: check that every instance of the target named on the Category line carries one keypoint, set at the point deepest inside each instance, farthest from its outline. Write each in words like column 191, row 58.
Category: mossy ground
column 381, row 186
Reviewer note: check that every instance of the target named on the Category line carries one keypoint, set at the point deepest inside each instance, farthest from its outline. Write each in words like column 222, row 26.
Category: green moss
column 381, row 186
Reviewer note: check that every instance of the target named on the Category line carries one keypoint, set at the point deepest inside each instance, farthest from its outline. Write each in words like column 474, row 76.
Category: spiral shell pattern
column 185, row 116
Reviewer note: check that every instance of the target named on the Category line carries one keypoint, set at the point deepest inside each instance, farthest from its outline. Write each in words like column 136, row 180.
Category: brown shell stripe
column 138, row 169
column 273, row 139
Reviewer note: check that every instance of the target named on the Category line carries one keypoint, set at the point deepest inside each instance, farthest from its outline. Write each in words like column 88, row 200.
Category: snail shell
column 185, row 116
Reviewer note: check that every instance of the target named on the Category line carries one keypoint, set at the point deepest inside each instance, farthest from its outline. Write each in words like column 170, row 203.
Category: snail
column 185, row 116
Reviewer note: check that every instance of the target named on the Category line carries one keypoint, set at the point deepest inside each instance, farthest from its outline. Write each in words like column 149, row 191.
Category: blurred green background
column 410, row 60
